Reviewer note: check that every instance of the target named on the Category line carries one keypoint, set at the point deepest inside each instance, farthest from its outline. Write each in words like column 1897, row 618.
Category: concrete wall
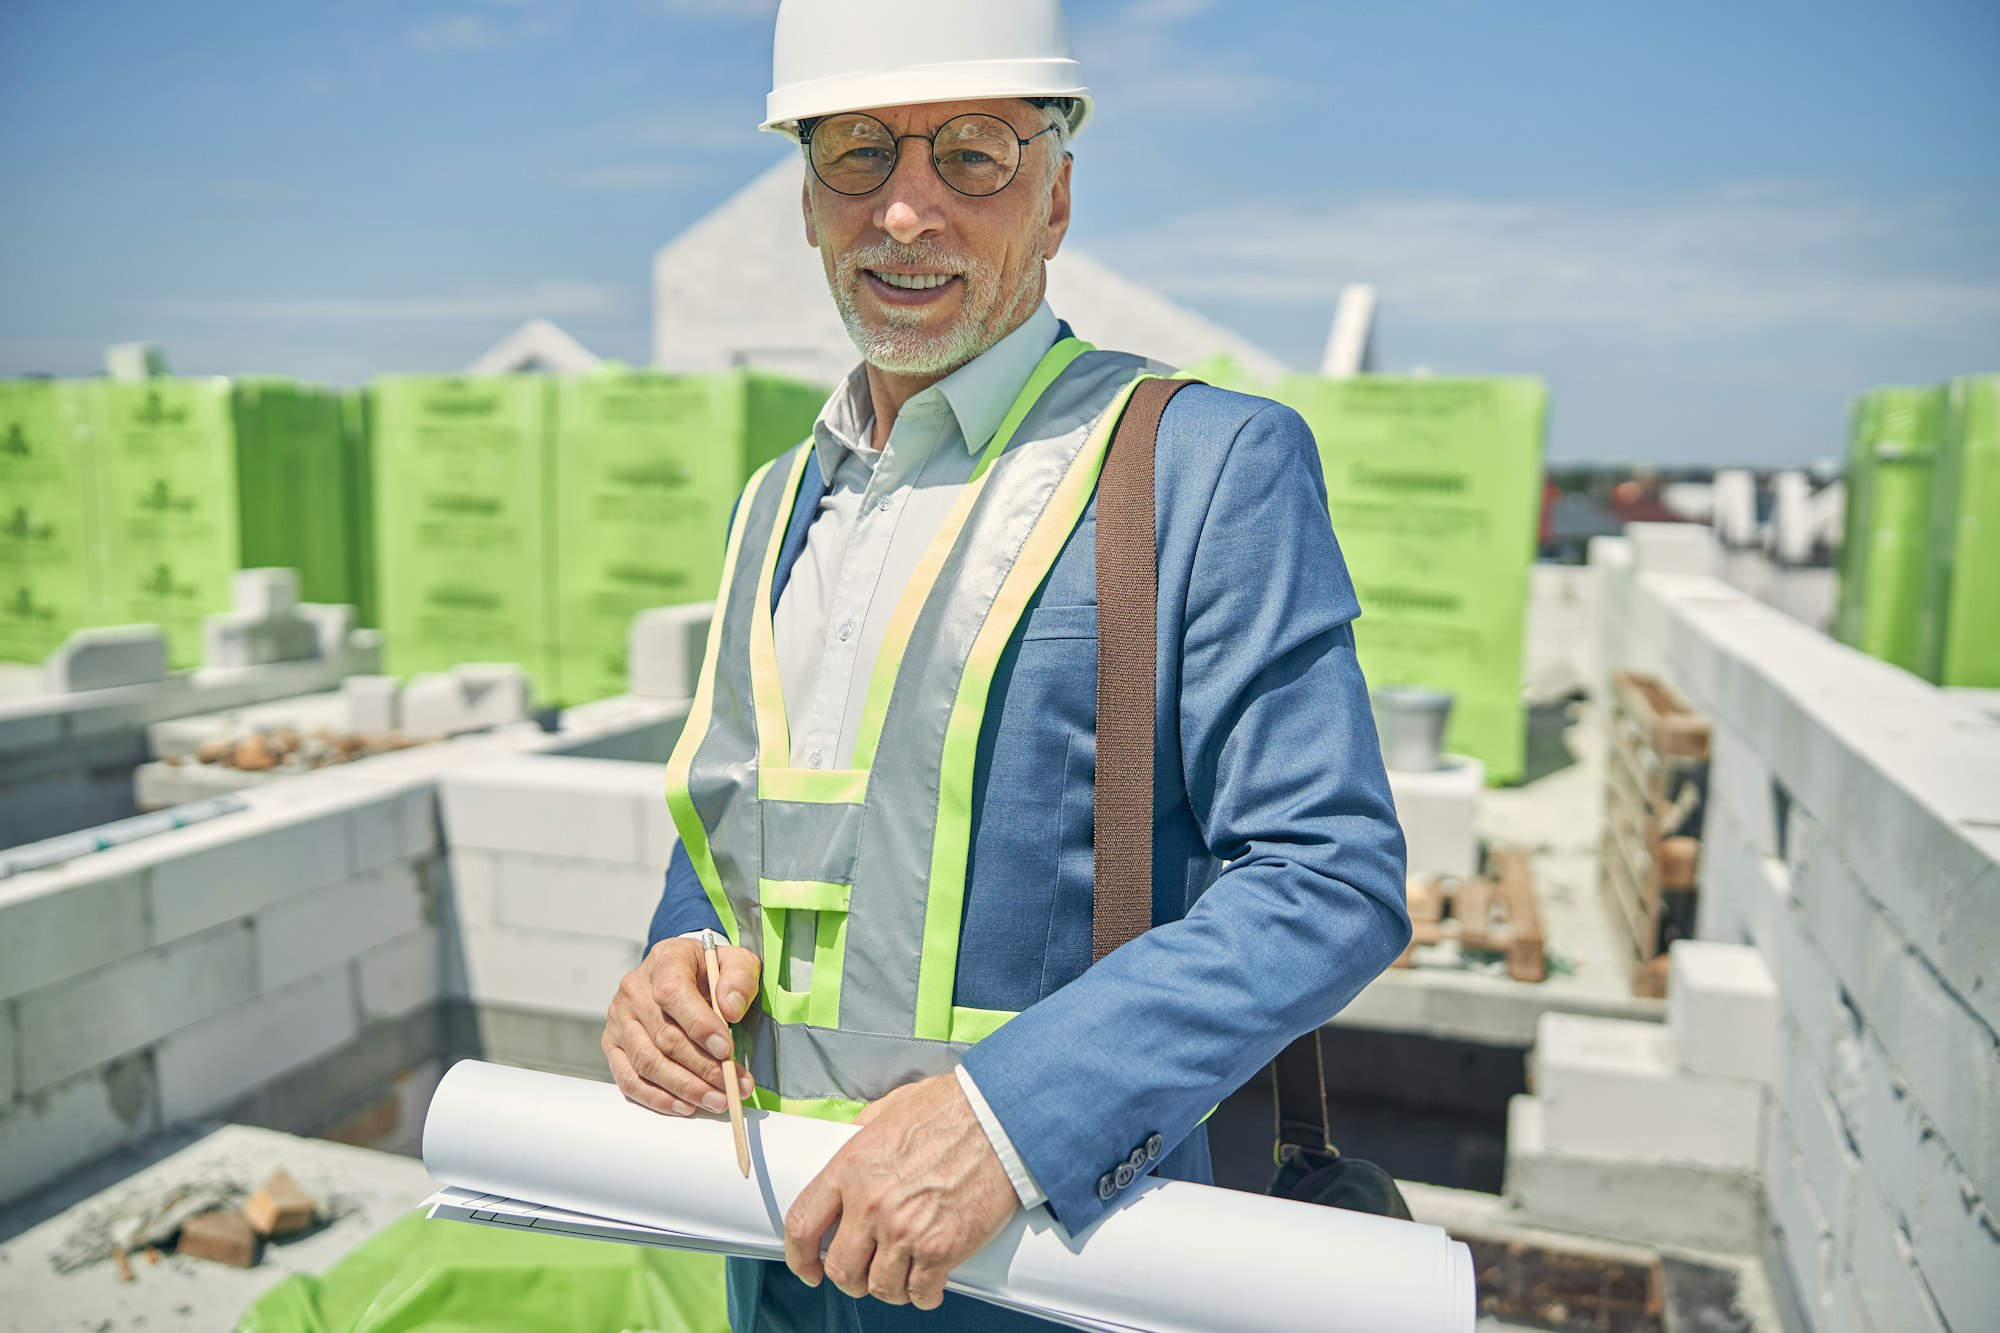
column 1853, row 837
column 310, row 963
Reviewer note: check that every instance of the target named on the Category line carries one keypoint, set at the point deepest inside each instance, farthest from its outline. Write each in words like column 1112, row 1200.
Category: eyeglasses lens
column 974, row 154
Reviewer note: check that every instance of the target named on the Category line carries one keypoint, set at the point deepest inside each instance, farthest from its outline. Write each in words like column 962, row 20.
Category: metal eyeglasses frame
column 807, row 130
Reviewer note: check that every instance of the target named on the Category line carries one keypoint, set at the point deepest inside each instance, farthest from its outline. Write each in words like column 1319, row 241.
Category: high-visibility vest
column 876, row 853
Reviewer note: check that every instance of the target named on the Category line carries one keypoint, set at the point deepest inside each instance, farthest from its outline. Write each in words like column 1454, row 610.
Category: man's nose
column 911, row 203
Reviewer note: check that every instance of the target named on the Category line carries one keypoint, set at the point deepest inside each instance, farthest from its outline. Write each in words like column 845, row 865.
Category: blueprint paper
column 542, row 1150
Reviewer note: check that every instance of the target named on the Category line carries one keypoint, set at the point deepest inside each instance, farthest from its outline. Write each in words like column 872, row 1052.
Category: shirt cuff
column 1018, row 1174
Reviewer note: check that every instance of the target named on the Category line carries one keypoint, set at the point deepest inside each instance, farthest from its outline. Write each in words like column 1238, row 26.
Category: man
column 884, row 788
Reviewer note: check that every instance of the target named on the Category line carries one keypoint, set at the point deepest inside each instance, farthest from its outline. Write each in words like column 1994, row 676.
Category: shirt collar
column 978, row 393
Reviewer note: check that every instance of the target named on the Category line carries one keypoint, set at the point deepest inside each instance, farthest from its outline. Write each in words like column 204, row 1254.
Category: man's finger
column 927, row 1279
column 889, row 1275
column 737, row 972
column 851, row 1255
column 678, row 996
column 648, row 1095
column 806, row 1221
column 656, row 1069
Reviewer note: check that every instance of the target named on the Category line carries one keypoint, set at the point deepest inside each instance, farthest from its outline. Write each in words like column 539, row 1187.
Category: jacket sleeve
column 684, row 906
column 1285, row 779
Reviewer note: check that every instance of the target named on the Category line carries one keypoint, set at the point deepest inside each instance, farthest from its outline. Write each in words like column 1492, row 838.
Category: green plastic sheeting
column 1892, row 452
column 646, row 469
column 295, row 485
column 1435, row 490
column 460, row 473
column 454, row 1277
column 1959, row 631
column 50, row 580
column 167, row 492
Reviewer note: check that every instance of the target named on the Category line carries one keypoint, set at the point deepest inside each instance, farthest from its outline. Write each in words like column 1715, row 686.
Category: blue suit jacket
column 1265, row 758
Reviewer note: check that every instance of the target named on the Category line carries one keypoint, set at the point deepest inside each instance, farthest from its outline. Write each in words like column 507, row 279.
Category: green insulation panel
column 1959, row 629
column 1892, row 456
column 50, row 579
column 295, row 484
column 647, row 469
column 1435, row 491
column 166, row 466
column 460, row 472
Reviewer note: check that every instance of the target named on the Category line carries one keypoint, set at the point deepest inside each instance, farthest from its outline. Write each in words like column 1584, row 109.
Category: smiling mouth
column 911, row 282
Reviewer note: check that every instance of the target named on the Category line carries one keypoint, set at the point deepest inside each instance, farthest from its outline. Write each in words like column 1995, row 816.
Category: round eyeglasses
column 974, row 154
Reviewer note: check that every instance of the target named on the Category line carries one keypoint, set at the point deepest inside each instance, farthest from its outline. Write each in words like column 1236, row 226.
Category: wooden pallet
column 1499, row 915
column 1656, row 782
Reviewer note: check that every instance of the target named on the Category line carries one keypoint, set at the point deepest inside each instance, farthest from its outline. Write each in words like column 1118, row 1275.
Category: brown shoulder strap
column 1127, row 580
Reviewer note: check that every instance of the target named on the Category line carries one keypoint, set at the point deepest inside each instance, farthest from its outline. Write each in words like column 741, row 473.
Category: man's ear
column 806, row 207
column 1058, row 224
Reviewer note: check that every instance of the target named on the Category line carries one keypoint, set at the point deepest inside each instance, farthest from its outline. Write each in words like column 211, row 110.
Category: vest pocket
column 826, row 904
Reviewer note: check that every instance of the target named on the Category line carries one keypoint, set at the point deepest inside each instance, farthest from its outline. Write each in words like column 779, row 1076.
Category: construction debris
column 1656, row 784
column 225, row 1237
column 279, row 1207
column 1454, row 920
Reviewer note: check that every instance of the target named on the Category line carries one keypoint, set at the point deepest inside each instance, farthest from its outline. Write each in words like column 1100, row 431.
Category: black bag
column 1310, row 1168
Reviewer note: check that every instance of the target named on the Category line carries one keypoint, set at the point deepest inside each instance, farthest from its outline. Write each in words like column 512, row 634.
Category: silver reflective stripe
column 807, row 840
column 799, row 1061
column 722, row 779
column 885, row 923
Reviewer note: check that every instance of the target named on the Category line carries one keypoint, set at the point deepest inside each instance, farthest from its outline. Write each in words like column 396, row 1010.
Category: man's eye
column 969, row 157
column 861, row 155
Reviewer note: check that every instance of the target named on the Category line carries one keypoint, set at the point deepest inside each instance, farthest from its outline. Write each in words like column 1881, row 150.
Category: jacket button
column 1124, row 1175
column 1106, row 1186
column 1155, row 1145
column 1138, row 1159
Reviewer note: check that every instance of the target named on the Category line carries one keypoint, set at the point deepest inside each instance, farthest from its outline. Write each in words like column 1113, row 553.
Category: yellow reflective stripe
column 889, row 657
column 828, row 786
column 774, row 742
column 829, row 960
column 1053, row 363
column 969, row 1025
column 945, row 908
column 679, row 804
column 806, row 895
column 820, row 1108
column 785, row 1006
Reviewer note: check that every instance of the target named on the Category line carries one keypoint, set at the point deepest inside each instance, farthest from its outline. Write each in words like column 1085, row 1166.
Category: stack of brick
column 1853, row 836
column 1652, row 1133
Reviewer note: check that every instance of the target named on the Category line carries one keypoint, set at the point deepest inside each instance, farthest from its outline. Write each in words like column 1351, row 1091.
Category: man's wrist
column 1019, row 1176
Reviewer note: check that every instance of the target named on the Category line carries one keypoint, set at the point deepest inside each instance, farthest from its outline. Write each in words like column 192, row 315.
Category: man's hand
column 661, row 1037
column 916, row 1193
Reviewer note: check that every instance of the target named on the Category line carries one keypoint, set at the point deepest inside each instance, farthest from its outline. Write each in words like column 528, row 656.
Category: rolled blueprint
column 1170, row 1257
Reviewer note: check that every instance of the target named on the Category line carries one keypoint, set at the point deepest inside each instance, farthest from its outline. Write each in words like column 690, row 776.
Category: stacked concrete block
column 373, row 703
column 664, row 650
column 1722, row 1007
column 471, row 697
column 1437, row 810
column 1852, row 840
column 105, row 657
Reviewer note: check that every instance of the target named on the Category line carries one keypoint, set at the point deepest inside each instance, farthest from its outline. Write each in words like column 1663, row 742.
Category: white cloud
column 1727, row 260
column 555, row 298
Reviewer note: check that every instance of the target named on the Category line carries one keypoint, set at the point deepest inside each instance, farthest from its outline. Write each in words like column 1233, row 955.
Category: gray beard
column 896, row 344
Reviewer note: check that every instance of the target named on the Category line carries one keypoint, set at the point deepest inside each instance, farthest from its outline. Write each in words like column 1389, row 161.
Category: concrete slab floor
column 363, row 1191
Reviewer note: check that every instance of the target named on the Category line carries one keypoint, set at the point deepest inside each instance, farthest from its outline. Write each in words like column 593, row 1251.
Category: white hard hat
column 849, row 55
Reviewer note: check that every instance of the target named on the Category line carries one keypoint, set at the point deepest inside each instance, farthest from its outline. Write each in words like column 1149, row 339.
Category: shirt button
column 883, row 503
column 812, row 760
column 846, row 630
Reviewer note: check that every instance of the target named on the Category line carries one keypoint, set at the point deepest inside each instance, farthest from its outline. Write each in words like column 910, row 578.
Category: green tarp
column 1435, row 491
column 454, row 1277
column 461, row 475
column 1892, row 451
column 50, row 582
column 646, row 469
column 1959, row 627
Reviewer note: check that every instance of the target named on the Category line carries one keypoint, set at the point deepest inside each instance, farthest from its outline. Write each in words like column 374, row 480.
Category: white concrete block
column 329, row 925
column 373, row 703
column 105, row 657
column 1957, row 1242
column 664, row 650
column 433, row 705
column 9, row 1065
column 554, row 805
column 1647, row 1203
column 101, row 1015
column 475, row 884
column 1804, row 1239
column 571, row 894
column 1885, row 1123
column 232, row 866
column 401, row 976
column 1818, row 1132
column 657, row 835
column 264, row 592
column 495, row 693
column 1723, row 1008
column 72, row 1122
column 539, row 970
column 206, row 1066
column 1437, row 810
column 331, row 623
column 1674, row 548
column 1616, row 1088
column 1885, row 1271
column 398, row 826
column 56, row 924
column 1740, row 783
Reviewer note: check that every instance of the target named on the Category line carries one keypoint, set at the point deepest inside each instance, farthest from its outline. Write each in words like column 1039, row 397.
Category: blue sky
column 1707, row 224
